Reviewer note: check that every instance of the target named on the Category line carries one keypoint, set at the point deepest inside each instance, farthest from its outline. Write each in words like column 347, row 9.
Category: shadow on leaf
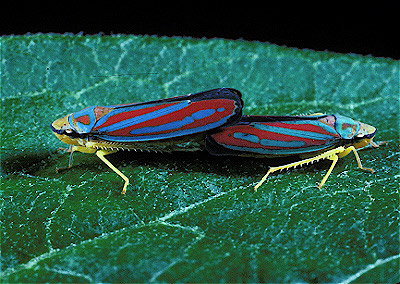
column 25, row 162
column 204, row 162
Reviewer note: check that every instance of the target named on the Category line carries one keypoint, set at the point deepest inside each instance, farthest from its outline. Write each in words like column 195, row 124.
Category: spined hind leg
column 101, row 154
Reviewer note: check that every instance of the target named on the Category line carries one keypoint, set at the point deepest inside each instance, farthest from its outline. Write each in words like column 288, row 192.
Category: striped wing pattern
column 161, row 119
column 273, row 138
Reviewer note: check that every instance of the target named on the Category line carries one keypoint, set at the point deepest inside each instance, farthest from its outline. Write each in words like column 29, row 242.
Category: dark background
column 365, row 28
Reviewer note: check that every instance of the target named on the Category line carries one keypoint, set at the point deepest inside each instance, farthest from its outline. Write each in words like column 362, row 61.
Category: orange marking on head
column 84, row 119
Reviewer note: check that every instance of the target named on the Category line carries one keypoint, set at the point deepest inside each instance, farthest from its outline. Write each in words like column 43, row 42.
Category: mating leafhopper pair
column 211, row 121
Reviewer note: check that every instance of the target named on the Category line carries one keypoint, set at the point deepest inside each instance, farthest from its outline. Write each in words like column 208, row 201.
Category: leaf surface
column 191, row 217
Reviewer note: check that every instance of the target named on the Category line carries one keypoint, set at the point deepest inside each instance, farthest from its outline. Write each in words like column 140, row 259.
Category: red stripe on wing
column 228, row 105
column 131, row 114
column 303, row 127
column 226, row 137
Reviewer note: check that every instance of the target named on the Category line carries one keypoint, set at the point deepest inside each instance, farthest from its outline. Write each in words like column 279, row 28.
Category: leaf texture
column 192, row 217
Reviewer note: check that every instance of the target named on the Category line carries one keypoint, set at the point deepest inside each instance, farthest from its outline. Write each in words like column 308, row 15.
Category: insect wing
column 168, row 118
column 273, row 136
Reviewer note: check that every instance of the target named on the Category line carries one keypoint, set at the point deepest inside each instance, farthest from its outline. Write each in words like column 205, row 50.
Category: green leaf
column 191, row 217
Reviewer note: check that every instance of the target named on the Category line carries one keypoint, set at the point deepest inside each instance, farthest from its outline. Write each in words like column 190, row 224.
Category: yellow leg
column 101, row 154
column 71, row 150
column 353, row 149
column 334, row 159
column 331, row 154
column 271, row 170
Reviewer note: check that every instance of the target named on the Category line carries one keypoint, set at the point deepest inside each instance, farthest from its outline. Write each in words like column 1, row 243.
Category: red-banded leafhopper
column 173, row 124
column 312, row 138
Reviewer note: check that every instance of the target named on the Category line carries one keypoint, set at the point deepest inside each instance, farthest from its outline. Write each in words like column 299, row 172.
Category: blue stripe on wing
column 279, row 152
column 141, row 118
column 175, row 124
column 163, row 135
column 266, row 142
column 293, row 132
column 316, row 123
